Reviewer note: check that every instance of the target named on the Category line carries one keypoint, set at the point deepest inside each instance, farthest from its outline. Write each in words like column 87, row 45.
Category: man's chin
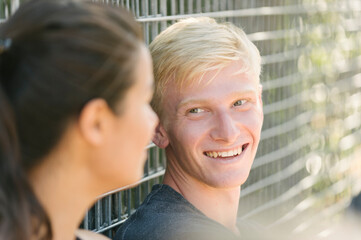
column 230, row 183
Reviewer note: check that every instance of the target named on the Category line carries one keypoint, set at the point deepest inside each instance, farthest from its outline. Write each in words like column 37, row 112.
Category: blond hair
column 188, row 49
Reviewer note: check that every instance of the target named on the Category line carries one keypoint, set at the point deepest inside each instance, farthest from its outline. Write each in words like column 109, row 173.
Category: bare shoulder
column 89, row 235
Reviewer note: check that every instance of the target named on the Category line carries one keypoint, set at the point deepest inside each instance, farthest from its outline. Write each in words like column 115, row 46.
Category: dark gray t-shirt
column 165, row 214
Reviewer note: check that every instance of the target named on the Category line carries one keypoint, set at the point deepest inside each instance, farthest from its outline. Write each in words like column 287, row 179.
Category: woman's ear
column 160, row 137
column 93, row 121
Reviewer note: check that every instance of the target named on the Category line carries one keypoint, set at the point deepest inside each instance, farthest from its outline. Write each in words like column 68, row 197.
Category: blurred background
column 308, row 166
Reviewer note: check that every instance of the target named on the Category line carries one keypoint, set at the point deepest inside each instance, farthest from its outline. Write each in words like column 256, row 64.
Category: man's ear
column 160, row 137
column 92, row 121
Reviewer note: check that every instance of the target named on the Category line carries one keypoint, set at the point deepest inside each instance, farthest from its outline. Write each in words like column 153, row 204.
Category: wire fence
column 308, row 158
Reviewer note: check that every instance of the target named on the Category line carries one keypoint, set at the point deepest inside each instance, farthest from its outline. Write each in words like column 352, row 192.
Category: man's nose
column 226, row 128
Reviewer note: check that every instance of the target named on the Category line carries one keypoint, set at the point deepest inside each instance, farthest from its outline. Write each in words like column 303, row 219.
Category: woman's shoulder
column 82, row 234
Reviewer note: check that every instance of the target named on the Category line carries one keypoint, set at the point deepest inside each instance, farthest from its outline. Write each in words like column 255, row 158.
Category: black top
column 165, row 214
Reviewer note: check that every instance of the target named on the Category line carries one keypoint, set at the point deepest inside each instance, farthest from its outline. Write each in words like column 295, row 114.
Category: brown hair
column 59, row 54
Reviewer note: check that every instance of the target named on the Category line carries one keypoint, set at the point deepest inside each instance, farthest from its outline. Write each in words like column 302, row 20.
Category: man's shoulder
column 165, row 214
column 175, row 228
column 161, row 214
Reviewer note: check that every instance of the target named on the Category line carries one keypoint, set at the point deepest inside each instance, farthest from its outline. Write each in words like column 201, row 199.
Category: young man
column 208, row 99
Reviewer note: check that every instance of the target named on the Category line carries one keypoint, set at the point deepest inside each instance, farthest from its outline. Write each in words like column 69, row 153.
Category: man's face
column 213, row 128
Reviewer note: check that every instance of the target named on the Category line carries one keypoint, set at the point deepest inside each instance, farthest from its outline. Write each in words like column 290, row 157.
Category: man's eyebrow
column 191, row 101
column 235, row 94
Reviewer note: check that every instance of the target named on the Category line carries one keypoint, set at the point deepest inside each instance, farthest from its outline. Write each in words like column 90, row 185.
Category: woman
column 75, row 86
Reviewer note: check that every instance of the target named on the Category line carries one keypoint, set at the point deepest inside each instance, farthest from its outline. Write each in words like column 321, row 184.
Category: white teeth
column 230, row 153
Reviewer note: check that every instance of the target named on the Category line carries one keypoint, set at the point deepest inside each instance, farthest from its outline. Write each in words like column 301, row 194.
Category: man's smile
column 229, row 153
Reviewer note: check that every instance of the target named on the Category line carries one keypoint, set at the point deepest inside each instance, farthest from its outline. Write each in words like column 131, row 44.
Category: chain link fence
column 308, row 163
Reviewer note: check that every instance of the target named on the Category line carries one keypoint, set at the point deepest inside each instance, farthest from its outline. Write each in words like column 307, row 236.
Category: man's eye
column 196, row 110
column 239, row 102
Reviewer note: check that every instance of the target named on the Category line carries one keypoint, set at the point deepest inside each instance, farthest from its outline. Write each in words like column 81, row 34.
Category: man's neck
column 219, row 204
